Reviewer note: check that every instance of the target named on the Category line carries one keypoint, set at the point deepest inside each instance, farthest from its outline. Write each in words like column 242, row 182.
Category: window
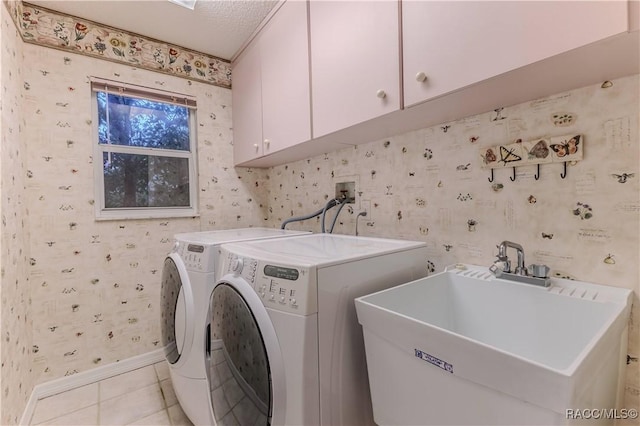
column 145, row 152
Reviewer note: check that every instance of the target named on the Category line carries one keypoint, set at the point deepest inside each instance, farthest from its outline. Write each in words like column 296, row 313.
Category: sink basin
column 464, row 347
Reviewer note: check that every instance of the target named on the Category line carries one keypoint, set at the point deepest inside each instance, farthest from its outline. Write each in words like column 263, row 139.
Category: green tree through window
column 146, row 150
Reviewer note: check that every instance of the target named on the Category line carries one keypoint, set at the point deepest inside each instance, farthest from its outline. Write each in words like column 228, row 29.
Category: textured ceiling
column 216, row 27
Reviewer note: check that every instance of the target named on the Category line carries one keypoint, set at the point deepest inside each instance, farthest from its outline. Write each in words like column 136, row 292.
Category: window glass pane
column 145, row 181
column 142, row 123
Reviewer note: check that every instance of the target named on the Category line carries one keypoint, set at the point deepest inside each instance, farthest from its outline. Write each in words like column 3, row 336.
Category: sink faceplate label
column 433, row 360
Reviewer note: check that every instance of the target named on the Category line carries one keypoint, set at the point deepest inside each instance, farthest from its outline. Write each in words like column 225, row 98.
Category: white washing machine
column 286, row 347
column 188, row 278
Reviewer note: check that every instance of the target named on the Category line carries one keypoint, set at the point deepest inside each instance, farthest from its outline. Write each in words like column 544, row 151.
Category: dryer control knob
column 236, row 265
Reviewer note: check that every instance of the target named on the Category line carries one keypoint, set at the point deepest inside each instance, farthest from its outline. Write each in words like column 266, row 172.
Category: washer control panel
column 240, row 266
column 282, row 287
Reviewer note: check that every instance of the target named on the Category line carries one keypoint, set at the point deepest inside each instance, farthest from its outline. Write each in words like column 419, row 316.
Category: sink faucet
column 502, row 257
column 501, row 268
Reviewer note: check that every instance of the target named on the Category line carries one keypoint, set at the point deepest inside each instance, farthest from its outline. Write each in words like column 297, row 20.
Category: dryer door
column 244, row 351
column 177, row 309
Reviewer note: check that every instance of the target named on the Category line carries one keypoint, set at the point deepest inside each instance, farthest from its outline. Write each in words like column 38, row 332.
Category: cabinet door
column 286, row 105
column 456, row 44
column 247, row 106
column 354, row 62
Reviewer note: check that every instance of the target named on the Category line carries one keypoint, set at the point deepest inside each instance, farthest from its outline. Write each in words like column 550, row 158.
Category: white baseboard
column 63, row 384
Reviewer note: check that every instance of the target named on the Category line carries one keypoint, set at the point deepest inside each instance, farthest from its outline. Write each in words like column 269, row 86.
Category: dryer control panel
column 196, row 257
column 282, row 287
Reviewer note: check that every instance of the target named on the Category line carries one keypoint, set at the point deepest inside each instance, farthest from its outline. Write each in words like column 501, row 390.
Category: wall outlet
column 346, row 190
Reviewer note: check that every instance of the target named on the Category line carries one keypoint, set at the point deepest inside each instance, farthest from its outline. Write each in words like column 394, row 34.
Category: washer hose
column 327, row 206
column 309, row 216
column 342, row 204
column 363, row 214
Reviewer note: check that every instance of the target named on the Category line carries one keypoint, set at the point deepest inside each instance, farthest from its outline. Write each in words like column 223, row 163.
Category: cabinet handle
column 256, row 146
column 267, row 142
column 421, row 77
column 381, row 94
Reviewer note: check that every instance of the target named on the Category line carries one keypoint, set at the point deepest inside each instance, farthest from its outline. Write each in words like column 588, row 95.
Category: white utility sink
column 464, row 347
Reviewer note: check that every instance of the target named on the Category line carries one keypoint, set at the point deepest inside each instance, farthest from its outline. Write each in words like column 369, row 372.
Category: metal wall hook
column 491, row 178
column 513, row 178
column 564, row 173
column 537, row 175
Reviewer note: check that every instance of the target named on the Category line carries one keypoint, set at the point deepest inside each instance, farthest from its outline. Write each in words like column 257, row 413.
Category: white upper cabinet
column 354, row 62
column 247, row 106
column 448, row 45
column 325, row 74
column 286, row 104
column 271, row 102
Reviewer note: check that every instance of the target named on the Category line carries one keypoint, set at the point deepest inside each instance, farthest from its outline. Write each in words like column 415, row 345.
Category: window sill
column 125, row 214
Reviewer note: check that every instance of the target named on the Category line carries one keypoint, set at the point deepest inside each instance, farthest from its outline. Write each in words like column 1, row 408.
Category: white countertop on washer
column 233, row 235
column 320, row 249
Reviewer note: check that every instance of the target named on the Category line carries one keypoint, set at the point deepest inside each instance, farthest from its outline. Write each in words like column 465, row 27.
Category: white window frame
column 133, row 91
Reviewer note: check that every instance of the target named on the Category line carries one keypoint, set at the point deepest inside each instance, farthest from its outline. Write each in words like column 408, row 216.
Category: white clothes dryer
column 188, row 277
column 286, row 347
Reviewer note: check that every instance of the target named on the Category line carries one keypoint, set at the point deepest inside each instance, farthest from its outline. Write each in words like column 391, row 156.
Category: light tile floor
column 231, row 404
column 140, row 397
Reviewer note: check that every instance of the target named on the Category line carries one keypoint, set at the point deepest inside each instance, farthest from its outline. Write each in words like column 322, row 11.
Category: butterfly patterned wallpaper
column 96, row 285
column 79, row 293
column 16, row 376
column 430, row 185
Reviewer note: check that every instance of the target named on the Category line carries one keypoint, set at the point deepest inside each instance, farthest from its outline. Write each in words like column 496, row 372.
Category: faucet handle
column 496, row 269
column 500, row 266
column 539, row 271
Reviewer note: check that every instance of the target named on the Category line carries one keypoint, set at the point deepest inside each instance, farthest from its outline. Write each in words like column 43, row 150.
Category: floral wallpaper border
column 48, row 28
